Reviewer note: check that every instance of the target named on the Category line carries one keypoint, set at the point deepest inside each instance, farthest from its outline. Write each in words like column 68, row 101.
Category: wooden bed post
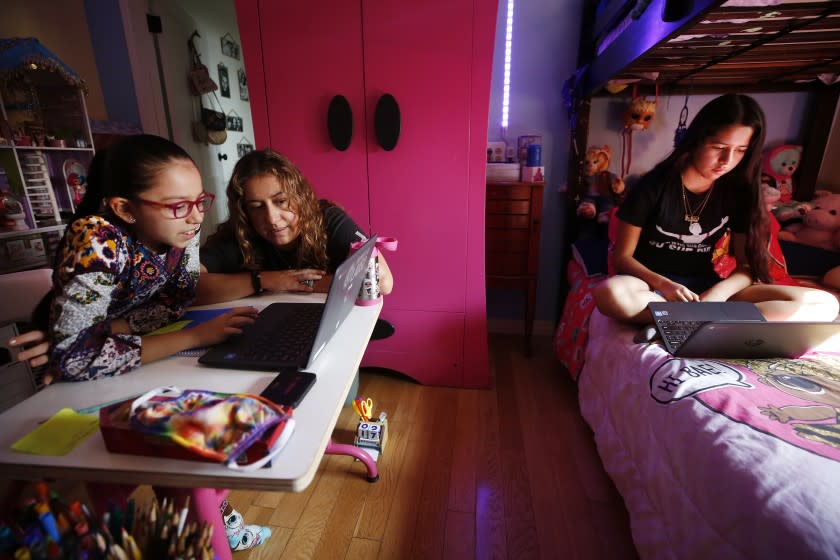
column 825, row 103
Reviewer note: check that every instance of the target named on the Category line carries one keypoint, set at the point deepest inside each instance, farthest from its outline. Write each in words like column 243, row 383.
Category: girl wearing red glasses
column 128, row 264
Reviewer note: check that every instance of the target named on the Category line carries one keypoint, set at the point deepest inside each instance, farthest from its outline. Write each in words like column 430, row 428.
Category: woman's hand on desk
column 301, row 280
column 35, row 346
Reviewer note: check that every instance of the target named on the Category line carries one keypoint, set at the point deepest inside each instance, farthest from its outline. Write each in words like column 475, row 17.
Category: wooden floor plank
column 460, row 536
column 464, row 464
column 522, row 541
column 398, row 538
column 431, row 519
column 362, row 549
column 490, row 526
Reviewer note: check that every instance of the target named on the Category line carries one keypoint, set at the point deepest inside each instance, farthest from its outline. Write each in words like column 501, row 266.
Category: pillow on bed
column 591, row 255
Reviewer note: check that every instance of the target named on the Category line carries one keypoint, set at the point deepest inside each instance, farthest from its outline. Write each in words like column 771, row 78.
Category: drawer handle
column 340, row 123
column 386, row 122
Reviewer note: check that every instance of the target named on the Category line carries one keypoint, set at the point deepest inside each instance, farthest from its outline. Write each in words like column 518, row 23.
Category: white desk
column 292, row 470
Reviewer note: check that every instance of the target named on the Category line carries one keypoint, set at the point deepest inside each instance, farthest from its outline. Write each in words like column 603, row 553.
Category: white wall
column 212, row 20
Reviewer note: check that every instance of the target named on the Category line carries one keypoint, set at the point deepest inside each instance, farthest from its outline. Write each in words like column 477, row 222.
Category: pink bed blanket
column 717, row 458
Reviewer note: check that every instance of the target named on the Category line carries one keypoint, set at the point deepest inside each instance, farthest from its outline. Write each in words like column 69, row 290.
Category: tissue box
column 502, row 172
column 533, row 174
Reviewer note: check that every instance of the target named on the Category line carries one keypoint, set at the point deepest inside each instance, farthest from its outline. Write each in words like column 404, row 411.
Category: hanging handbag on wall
column 198, row 76
column 214, row 122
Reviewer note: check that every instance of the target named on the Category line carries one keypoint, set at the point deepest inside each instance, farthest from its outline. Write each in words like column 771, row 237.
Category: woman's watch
column 256, row 282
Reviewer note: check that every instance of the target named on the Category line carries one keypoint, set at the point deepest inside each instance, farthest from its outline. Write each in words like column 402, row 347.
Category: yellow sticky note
column 173, row 327
column 58, row 435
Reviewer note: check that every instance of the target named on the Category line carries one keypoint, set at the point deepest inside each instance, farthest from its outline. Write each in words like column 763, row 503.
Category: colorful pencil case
column 243, row 431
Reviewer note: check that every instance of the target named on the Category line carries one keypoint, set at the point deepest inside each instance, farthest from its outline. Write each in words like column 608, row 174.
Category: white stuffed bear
column 820, row 226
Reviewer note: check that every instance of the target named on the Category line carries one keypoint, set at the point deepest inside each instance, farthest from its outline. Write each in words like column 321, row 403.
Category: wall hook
column 222, row 156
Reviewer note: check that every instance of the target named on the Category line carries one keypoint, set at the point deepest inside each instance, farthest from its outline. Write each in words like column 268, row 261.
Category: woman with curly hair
column 278, row 236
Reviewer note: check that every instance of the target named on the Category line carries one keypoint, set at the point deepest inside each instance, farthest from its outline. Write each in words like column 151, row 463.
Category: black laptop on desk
column 290, row 334
column 733, row 329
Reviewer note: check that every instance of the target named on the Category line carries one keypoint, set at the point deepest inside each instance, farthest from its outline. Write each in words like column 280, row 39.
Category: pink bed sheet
column 717, row 459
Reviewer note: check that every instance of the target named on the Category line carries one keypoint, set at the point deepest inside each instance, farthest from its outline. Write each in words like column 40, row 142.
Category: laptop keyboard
column 289, row 341
column 676, row 332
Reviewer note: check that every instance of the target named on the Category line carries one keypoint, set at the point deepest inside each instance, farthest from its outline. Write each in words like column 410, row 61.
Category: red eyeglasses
column 184, row 208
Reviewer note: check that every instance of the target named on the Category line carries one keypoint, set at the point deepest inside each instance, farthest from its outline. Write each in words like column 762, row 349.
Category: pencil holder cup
column 369, row 292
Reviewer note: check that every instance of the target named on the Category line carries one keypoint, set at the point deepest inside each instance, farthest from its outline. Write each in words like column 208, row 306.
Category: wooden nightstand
column 513, row 241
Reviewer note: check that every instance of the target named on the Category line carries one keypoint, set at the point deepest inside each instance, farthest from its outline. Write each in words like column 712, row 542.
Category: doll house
column 45, row 149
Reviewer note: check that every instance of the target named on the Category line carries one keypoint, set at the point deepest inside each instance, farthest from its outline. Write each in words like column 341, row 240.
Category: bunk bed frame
column 715, row 46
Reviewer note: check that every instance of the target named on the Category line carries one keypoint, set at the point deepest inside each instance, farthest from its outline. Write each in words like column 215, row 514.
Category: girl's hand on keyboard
column 301, row 280
column 220, row 328
column 672, row 291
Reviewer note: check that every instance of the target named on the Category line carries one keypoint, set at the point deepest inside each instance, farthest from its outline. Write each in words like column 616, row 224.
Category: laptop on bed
column 733, row 330
column 287, row 334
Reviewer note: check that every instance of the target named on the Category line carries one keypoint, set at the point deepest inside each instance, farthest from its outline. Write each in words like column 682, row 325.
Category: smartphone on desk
column 289, row 387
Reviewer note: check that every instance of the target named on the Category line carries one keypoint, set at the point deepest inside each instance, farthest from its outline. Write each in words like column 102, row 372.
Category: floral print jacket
column 104, row 273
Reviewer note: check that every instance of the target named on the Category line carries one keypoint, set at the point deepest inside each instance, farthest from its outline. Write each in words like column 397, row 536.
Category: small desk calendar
column 372, row 435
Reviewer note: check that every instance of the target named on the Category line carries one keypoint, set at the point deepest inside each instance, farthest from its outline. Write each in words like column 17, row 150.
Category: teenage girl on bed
column 127, row 265
column 695, row 228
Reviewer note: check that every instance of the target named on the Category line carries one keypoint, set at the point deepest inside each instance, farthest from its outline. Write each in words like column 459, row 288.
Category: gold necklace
column 692, row 216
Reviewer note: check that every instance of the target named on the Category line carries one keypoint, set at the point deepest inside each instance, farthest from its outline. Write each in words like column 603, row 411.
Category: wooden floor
column 510, row 472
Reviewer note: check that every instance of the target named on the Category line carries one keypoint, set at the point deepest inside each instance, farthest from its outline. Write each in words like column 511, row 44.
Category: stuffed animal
column 820, row 226
column 604, row 190
column 639, row 114
column 779, row 166
column 784, row 212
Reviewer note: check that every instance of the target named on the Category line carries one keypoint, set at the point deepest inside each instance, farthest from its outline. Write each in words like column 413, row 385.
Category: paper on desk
column 58, row 435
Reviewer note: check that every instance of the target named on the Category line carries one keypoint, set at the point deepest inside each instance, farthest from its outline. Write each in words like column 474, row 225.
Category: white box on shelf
column 533, row 174
column 502, row 172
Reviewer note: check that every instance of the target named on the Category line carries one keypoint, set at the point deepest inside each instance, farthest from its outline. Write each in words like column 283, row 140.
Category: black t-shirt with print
column 341, row 232
column 666, row 245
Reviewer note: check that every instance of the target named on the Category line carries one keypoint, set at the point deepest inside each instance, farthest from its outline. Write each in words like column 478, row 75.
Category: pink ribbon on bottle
column 369, row 292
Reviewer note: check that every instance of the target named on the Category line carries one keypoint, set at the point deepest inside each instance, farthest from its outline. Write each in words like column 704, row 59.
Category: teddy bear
column 820, row 225
column 604, row 190
column 779, row 166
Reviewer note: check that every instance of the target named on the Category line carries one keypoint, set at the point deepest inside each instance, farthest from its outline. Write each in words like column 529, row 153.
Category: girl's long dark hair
column 125, row 169
column 744, row 180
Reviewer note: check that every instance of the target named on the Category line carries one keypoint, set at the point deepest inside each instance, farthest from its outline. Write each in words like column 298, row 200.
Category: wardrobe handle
column 340, row 123
column 386, row 122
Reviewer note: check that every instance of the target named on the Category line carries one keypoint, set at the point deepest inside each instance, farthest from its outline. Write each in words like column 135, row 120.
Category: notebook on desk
column 290, row 334
column 733, row 330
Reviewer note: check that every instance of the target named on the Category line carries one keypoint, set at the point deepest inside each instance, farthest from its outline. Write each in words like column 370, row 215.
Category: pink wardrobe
column 434, row 58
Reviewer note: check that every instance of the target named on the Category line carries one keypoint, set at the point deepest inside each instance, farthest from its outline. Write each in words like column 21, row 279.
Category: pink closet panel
column 434, row 57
